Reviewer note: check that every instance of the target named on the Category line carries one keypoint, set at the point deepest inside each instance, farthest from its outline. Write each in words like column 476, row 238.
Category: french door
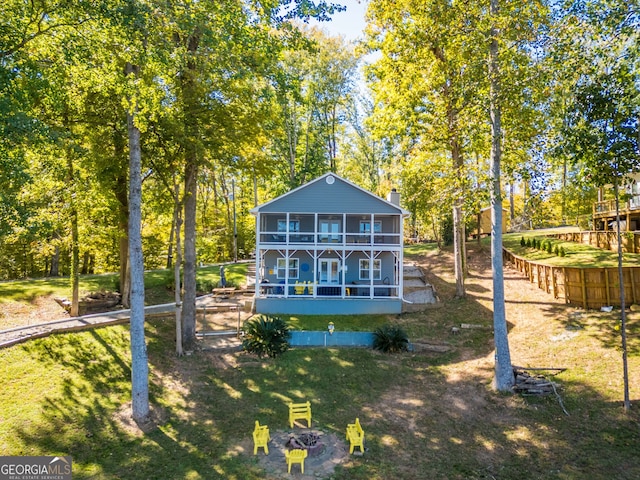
column 329, row 270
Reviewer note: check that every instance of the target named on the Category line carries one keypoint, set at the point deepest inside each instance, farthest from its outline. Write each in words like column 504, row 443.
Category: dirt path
column 528, row 309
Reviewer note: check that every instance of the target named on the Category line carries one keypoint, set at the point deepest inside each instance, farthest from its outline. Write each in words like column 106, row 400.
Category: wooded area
column 226, row 104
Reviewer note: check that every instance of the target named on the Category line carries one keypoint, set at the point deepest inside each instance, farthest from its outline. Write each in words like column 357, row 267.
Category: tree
column 602, row 134
column 504, row 378
column 427, row 86
column 139, row 362
column 599, row 92
column 213, row 67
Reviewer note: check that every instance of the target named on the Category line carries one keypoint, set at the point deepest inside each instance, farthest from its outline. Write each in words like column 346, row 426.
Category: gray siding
column 339, row 197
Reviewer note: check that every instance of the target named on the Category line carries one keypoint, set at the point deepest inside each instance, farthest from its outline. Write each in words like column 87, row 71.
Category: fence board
column 586, row 287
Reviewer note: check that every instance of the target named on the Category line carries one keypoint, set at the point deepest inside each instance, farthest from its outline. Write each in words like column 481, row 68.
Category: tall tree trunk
column 623, row 312
column 170, row 249
column 122, row 196
column 177, row 220
column 458, row 220
column 55, row 262
column 291, row 125
column 139, row 362
column 190, row 100
column 504, row 379
column 75, row 249
column 189, row 300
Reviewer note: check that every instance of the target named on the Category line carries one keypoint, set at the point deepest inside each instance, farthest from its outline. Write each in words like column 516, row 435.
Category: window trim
column 282, row 225
column 329, row 235
column 377, row 227
column 377, row 272
column 292, row 265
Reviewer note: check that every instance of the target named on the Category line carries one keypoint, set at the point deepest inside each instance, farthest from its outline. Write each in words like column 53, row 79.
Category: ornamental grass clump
column 390, row 339
column 266, row 335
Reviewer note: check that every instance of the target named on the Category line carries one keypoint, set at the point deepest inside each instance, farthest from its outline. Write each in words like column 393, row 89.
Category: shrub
column 266, row 335
column 528, row 242
column 207, row 285
column 522, row 242
column 562, row 252
column 390, row 339
column 556, row 250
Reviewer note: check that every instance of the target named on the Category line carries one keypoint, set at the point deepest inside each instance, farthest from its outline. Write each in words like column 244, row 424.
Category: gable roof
column 329, row 193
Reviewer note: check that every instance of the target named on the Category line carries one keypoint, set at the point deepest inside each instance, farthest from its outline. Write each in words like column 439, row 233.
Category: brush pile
column 528, row 384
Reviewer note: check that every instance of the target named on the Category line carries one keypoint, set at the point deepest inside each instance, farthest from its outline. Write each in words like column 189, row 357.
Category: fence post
column 583, row 285
column 606, row 286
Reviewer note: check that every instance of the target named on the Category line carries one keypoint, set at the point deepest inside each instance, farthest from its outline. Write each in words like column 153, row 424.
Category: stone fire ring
column 331, row 451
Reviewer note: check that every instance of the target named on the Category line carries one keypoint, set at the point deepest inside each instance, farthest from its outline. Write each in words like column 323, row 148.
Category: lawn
column 427, row 414
column 577, row 254
column 158, row 284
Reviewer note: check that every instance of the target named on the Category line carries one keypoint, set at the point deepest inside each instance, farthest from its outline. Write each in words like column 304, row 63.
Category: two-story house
column 329, row 247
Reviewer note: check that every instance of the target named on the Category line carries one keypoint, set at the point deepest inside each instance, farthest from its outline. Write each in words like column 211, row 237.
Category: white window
column 329, row 230
column 364, row 269
column 365, row 227
column 293, row 268
column 294, row 225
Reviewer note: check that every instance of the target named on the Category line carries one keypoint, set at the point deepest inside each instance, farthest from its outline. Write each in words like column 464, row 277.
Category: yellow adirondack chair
column 260, row 438
column 295, row 456
column 355, row 435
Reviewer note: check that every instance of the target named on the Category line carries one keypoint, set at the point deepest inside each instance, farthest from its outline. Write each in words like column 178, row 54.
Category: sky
column 349, row 23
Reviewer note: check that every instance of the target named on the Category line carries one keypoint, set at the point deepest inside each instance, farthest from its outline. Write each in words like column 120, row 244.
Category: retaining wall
column 585, row 287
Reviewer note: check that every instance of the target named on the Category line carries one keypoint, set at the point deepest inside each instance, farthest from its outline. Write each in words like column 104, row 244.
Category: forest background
column 240, row 101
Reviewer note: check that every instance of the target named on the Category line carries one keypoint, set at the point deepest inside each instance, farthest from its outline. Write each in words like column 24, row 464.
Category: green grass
column 426, row 415
column 577, row 254
column 349, row 323
column 158, row 284
column 71, row 387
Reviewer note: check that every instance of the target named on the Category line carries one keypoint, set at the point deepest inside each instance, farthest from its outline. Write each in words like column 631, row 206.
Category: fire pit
column 306, row 441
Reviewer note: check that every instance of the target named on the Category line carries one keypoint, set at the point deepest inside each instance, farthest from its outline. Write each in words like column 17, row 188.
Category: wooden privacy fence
column 585, row 287
column 607, row 240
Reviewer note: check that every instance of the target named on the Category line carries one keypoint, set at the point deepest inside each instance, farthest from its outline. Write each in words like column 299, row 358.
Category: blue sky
column 349, row 23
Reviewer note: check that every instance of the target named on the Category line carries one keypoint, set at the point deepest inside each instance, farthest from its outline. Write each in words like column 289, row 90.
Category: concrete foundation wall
column 328, row 306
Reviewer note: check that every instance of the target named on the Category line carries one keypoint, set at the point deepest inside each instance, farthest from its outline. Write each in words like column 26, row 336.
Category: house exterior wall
column 329, row 247
column 485, row 221
column 338, row 197
column 327, row 306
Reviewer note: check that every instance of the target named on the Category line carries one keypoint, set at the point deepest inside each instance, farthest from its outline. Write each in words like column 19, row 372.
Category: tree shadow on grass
column 605, row 327
column 426, row 415
column 83, row 407
column 421, row 419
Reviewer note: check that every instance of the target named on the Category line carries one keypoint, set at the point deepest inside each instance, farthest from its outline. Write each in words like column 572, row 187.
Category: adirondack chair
column 261, row 438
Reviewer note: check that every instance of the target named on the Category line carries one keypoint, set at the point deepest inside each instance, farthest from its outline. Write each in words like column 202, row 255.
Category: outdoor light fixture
column 331, row 328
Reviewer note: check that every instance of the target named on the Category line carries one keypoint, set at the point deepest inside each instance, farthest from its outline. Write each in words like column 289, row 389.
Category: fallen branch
column 539, row 368
column 560, row 400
